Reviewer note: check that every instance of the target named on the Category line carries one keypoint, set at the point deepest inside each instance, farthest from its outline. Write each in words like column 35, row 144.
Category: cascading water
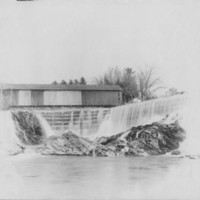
column 27, row 128
column 7, row 127
column 21, row 128
column 191, row 123
column 8, row 137
column 83, row 121
column 45, row 126
column 124, row 117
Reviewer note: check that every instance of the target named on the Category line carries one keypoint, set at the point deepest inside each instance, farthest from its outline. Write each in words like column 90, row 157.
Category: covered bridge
column 60, row 95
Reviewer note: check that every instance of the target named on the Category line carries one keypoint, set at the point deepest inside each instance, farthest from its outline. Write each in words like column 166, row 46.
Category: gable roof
column 52, row 87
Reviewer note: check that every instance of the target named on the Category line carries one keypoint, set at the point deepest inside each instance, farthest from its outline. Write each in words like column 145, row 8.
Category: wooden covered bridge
column 44, row 95
column 80, row 108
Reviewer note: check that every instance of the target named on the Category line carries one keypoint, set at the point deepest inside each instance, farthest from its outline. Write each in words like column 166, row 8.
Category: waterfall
column 24, row 128
column 46, row 128
column 124, row 117
column 8, row 137
column 7, row 127
column 191, row 123
column 20, row 129
column 83, row 121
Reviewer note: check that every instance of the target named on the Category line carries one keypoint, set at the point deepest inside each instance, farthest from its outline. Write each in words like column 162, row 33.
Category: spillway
column 124, row 117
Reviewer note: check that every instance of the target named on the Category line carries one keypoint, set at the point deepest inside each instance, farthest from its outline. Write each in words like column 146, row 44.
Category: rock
column 28, row 128
column 153, row 139
column 137, row 152
column 175, row 152
column 67, row 144
column 101, row 150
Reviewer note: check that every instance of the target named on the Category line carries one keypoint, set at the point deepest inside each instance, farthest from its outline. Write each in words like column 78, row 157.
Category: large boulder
column 28, row 128
column 67, row 144
column 154, row 139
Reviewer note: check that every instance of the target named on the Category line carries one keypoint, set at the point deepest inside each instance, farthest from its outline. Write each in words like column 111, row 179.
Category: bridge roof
column 58, row 87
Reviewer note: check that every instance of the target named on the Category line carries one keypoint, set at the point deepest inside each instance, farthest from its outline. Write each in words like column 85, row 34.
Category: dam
column 83, row 121
column 100, row 121
column 86, row 109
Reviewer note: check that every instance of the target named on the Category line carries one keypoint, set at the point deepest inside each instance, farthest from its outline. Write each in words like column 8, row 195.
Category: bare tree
column 111, row 77
column 173, row 91
column 98, row 80
column 148, row 83
column 126, row 79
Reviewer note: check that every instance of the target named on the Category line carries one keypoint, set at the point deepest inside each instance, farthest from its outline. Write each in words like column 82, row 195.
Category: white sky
column 46, row 40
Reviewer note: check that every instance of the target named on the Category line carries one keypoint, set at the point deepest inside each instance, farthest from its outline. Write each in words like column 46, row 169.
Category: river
column 32, row 176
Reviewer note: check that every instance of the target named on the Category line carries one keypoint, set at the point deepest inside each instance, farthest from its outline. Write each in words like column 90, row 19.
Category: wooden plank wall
column 24, row 98
column 37, row 98
column 85, row 98
column 97, row 98
column 9, row 98
column 62, row 98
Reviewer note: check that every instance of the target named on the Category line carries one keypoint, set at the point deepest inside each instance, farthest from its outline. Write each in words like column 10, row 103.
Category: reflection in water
column 101, row 178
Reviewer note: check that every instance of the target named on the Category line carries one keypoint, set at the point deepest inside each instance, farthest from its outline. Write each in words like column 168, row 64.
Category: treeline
column 140, row 84
column 82, row 81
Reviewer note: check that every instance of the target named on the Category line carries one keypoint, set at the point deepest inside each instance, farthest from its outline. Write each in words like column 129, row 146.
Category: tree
column 134, row 85
column 126, row 79
column 83, row 81
column 147, row 83
column 76, row 82
column 173, row 91
column 55, row 83
column 63, row 82
column 129, row 85
column 111, row 77
column 71, row 82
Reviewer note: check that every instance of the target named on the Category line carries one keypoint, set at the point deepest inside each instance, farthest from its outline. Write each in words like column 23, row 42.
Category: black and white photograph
column 99, row 99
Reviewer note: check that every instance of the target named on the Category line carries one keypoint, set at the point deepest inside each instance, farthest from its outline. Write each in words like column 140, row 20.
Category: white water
column 8, row 138
column 191, row 123
column 186, row 106
column 33, row 176
column 124, row 117
column 9, row 141
column 45, row 126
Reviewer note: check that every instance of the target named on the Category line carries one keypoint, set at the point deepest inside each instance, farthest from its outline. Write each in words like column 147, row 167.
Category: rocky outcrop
column 154, row 139
column 67, row 144
column 28, row 128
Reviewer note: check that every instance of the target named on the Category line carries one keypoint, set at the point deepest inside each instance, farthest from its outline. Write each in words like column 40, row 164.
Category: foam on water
column 8, row 138
column 10, row 144
column 191, row 123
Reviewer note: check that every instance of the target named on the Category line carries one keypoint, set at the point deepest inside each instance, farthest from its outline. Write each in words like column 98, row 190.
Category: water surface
column 62, row 177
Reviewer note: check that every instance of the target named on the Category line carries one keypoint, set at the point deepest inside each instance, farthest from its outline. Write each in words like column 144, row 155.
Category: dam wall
column 84, row 121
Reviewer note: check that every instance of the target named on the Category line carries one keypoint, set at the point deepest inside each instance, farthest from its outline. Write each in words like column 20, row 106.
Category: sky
column 46, row 40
